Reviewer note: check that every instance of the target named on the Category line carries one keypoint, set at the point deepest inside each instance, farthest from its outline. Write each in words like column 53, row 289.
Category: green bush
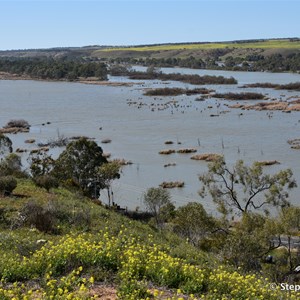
column 34, row 214
column 7, row 185
column 46, row 181
column 12, row 165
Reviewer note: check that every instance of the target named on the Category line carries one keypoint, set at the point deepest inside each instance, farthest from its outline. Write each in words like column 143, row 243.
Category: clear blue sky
column 57, row 23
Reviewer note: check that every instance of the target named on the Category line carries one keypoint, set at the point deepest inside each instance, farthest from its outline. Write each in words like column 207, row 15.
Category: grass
column 70, row 211
column 266, row 44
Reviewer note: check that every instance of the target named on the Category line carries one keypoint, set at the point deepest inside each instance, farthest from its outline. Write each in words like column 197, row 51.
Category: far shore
column 92, row 80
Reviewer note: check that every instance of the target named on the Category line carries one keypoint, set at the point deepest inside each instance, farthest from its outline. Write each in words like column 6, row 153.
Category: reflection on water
column 138, row 132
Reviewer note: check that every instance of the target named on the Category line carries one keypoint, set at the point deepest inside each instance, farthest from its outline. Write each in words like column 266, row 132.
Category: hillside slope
column 61, row 245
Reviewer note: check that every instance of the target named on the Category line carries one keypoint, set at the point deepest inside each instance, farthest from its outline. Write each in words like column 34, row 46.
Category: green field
column 268, row 44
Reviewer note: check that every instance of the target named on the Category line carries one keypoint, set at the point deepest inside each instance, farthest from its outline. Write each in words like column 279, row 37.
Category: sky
column 64, row 23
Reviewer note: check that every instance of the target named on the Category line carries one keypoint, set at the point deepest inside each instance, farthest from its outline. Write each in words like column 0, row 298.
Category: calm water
column 138, row 134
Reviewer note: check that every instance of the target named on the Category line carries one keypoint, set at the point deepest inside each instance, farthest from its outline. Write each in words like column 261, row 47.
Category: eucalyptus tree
column 79, row 163
column 242, row 188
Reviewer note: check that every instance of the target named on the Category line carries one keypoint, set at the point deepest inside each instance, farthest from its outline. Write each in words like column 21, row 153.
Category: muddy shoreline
column 94, row 81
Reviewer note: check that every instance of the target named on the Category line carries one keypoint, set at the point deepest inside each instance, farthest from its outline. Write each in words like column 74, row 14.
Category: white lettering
column 283, row 286
column 289, row 287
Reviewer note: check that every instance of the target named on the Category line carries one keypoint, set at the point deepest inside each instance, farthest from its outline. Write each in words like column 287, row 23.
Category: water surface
column 138, row 134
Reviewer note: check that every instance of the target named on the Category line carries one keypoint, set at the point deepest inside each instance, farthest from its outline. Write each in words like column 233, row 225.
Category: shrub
column 3, row 219
column 82, row 219
column 7, row 185
column 193, row 222
column 46, row 181
column 33, row 214
column 12, row 165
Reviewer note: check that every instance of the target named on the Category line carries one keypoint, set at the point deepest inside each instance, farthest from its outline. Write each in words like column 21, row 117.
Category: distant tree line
column 253, row 62
column 278, row 63
column 53, row 69
column 72, row 66
column 190, row 62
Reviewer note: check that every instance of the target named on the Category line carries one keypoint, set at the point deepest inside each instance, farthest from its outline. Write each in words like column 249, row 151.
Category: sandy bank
column 276, row 105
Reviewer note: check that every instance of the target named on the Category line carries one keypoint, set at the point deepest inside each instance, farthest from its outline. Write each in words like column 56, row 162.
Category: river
column 138, row 133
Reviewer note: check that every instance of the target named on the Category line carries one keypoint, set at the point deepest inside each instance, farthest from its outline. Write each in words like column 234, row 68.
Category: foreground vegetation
column 90, row 244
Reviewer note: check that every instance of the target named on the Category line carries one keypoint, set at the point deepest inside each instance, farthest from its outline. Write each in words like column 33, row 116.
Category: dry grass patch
column 186, row 150
column 172, row 184
column 166, row 151
column 268, row 162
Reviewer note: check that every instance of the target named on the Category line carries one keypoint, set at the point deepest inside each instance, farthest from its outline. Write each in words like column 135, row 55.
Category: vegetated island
column 295, row 143
column 186, row 78
column 268, row 162
column 284, row 106
column 239, row 96
column 293, row 86
column 176, row 92
column 207, row 157
column 15, row 126
column 172, row 184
